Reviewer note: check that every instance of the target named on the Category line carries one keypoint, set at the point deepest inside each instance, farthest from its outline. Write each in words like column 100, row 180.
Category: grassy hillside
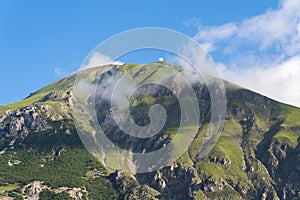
column 256, row 157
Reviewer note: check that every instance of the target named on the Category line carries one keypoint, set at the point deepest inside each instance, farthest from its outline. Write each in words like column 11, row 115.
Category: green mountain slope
column 256, row 157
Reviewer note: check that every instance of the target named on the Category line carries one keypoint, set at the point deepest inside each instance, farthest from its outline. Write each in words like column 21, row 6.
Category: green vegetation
column 59, row 86
column 127, row 67
column 58, row 160
column 49, row 195
column 257, row 152
column 9, row 187
column 143, row 100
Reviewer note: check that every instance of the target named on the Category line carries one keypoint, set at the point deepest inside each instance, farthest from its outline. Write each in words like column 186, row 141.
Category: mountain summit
column 42, row 155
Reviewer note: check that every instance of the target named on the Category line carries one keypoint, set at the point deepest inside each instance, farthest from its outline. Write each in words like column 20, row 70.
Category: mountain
column 257, row 155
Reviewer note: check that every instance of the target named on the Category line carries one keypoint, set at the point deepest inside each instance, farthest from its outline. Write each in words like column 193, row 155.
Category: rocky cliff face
column 256, row 157
column 37, row 116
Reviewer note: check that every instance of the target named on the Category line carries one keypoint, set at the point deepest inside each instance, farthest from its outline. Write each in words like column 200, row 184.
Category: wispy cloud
column 60, row 72
column 98, row 59
column 261, row 52
column 276, row 30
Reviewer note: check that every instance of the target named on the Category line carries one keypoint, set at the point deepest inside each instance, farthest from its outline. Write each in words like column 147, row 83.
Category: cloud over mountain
column 261, row 52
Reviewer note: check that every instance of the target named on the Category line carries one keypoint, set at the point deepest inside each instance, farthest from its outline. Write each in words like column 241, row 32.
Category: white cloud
column 214, row 33
column 60, row 72
column 281, row 82
column 277, row 29
column 98, row 59
column 261, row 52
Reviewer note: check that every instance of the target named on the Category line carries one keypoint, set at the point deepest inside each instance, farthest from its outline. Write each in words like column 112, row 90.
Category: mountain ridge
column 256, row 157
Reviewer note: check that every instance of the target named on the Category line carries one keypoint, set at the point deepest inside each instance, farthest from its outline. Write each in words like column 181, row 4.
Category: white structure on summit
column 161, row 59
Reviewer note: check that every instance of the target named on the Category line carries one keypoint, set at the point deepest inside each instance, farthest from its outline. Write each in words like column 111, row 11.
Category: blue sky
column 41, row 41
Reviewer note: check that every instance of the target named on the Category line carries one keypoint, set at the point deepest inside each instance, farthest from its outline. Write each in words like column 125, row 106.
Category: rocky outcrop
column 56, row 96
column 32, row 191
column 222, row 161
column 283, row 163
column 214, row 186
column 25, row 120
column 128, row 188
column 36, row 117
column 173, row 182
